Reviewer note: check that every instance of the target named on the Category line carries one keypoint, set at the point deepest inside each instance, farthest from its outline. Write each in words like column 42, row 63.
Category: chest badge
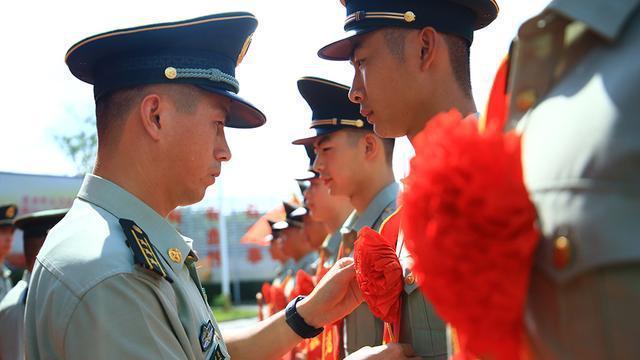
column 206, row 335
column 175, row 255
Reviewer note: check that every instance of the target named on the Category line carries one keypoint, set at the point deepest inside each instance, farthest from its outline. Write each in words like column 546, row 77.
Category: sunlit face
column 338, row 161
column 275, row 250
column 195, row 147
column 294, row 242
column 315, row 231
column 6, row 240
column 382, row 85
column 318, row 200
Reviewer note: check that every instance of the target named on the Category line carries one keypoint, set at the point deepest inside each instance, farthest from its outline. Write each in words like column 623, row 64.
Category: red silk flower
column 470, row 226
column 304, row 284
column 379, row 274
column 278, row 300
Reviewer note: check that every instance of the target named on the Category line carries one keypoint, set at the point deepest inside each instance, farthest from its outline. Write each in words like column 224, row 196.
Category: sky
column 40, row 99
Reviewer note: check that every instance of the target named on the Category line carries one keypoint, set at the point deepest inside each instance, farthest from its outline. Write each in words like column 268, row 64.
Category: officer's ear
column 371, row 145
column 150, row 107
column 428, row 41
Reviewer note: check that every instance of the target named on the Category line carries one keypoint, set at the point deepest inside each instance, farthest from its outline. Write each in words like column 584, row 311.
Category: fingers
column 344, row 262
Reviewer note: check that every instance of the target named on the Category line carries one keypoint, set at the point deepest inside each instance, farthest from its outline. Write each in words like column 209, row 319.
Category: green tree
column 81, row 147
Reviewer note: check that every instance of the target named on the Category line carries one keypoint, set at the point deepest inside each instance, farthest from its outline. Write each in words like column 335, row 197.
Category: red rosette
column 304, row 285
column 266, row 292
column 470, row 226
column 379, row 274
column 278, row 300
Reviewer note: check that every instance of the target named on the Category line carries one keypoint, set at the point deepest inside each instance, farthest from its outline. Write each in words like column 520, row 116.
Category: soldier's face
column 318, row 200
column 338, row 161
column 6, row 239
column 276, row 251
column 197, row 146
column 382, row 85
column 293, row 242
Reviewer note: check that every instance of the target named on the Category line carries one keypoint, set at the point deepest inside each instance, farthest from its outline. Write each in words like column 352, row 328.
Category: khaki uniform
column 361, row 327
column 420, row 326
column 574, row 76
column 12, row 321
column 88, row 299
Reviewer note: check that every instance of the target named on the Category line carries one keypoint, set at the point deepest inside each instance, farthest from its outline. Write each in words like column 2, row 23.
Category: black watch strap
column 297, row 323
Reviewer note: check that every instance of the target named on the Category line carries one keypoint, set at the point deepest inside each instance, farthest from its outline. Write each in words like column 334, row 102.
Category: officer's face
column 293, row 242
column 6, row 239
column 382, row 85
column 276, row 251
column 338, row 161
column 315, row 232
column 197, row 146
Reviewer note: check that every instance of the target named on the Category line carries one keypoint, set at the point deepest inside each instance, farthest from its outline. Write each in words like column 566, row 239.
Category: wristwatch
column 297, row 323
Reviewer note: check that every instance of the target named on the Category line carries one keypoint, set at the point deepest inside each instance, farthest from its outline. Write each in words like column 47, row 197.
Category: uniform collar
column 122, row 204
column 605, row 17
column 4, row 271
column 384, row 198
column 307, row 260
column 332, row 243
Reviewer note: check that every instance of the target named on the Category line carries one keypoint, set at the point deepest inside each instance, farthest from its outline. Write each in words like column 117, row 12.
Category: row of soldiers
column 34, row 227
column 115, row 280
column 349, row 185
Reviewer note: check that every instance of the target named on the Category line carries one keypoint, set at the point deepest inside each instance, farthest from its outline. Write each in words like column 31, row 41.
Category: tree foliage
column 81, row 147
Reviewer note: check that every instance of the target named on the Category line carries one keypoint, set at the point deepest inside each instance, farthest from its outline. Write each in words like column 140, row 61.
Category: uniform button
column 410, row 279
column 171, row 73
column 561, row 252
column 526, row 100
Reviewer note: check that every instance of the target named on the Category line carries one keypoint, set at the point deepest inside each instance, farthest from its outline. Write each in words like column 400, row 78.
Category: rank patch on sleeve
column 143, row 253
column 218, row 355
column 206, row 335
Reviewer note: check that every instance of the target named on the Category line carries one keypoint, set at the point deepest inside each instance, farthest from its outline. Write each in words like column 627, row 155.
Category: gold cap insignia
column 170, row 73
column 175, row 255
column 409, row 16
column 10, row 213
column 244, row 50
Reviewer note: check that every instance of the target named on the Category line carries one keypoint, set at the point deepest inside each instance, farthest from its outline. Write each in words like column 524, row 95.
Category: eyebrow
column 323, row 140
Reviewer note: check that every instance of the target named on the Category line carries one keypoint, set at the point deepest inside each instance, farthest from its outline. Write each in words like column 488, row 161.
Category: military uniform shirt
column 574, row 78
column 88, row 300
column 12, row 321
column 361, row 327
column 5, row 280
column 420, row 324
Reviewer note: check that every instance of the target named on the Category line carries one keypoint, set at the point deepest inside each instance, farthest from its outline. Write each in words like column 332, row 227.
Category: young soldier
column 353, row 162
column 114, row 279
column 34, row 228
column 411, row 62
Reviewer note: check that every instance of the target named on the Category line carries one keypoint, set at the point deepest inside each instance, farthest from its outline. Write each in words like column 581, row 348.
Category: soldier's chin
column 387, row 131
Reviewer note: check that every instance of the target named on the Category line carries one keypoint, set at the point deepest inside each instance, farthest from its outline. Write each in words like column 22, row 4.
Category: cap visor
column 340, row 50
column 242, row 114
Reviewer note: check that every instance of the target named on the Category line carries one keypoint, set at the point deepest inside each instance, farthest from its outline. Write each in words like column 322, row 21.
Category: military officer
column 7, row 214
column 353, row 162
column 411, row 62
column 571, row 80
column 114, row 279
column 34, row 227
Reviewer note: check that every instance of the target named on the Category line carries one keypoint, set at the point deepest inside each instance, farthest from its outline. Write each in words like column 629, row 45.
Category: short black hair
column 459, row 53
column 113, row 108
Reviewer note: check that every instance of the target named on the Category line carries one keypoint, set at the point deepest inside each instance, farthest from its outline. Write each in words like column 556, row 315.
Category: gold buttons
column 359, row 123
column 526, row 100
column 175, row 255
column 561, row 252
column 170, row 73
column 410, row 279
column 409, row 16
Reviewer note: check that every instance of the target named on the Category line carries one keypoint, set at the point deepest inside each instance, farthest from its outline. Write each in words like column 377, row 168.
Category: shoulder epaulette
column 143, row 253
